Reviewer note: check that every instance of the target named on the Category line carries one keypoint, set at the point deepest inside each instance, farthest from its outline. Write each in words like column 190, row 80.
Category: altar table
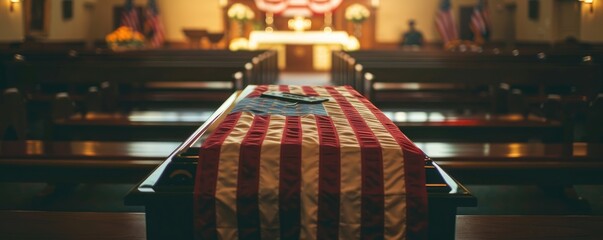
column 322, row 44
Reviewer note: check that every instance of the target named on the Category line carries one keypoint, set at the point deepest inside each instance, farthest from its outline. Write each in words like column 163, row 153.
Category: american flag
column 288, row 171
column 154, row 25
column 445, row 22
column 129, row 17
column 480, row 20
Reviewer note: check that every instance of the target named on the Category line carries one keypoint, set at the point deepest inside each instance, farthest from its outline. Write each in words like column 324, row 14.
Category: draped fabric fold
column 334, row 170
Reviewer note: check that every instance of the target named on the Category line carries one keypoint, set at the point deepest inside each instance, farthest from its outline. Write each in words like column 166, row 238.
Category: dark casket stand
column 167, row 193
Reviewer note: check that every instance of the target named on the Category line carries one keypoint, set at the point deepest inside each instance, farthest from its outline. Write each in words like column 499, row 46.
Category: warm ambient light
column 589, row 2
column 12, row 4
column 299, row 24
column 375, row 3
column 223, row 3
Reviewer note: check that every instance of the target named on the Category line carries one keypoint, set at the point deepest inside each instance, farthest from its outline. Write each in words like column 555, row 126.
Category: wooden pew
column 164, row 125
column 12, row 115
column 551, row 160
column 530, row 55
column 93, row 72
column 72, row 225
column 3, row 57
column 142, row 70
column 128, row 225
column 172, row 125
column 519, row 162
column 528, row 227
column 80, row 161
column 465, row 78
column 510, row 89
column 418, row 125
column 100, row 54
column 470, row 83
column 453, row 127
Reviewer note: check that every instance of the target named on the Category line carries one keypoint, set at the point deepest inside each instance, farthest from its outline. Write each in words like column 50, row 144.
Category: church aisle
column 305, row 78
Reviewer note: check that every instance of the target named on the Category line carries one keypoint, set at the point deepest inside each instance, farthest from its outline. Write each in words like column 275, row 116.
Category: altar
column 319, row 45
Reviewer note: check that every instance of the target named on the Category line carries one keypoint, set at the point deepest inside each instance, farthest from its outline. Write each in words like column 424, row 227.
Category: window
column 37, row 18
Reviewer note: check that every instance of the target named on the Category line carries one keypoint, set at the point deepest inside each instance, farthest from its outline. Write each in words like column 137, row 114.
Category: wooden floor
column 82, row 225
column 528, row 227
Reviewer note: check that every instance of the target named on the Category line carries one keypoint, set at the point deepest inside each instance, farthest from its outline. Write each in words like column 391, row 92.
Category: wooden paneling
column 299, row 57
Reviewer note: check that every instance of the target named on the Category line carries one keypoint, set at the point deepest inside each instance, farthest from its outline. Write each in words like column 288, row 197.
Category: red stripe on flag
column 446, row 26
column 258, row 91
column 309, row 91
column 372, row 209
column 290, row 179
column 329, row 184
column 414, row 172
column 129, row 19
column 479, row 22
column 207, row 177
column 155, row 24
column 248, row 213
column 283, row 88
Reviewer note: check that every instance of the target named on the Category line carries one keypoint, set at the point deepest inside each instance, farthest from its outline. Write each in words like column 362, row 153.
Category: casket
column 171, row 198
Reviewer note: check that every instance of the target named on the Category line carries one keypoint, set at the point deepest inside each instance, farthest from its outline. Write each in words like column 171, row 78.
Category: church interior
column 112, row 112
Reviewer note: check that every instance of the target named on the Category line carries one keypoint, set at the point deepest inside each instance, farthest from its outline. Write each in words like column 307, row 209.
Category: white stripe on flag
column 309, row 174
column 226, row 186
column 351, row 171
column 269, row 178
column 445, row 25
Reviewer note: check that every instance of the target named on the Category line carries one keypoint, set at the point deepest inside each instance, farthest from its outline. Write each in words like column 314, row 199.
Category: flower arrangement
column 240, row 12
column 124, row 37
column 462, row 46
column 352, row 44
column 357, row 13
column 238, row 44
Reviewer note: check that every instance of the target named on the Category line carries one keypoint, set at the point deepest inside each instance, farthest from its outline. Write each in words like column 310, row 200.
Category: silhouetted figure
column 413, row 37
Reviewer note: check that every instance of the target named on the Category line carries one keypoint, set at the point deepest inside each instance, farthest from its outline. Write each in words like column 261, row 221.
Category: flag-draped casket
column 340, row 169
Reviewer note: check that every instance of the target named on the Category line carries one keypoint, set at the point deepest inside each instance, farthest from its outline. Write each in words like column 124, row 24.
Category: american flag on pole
column 480, row 21
column 336, row 170
column 445, row 22
column 153, row 25
column 129, row 16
